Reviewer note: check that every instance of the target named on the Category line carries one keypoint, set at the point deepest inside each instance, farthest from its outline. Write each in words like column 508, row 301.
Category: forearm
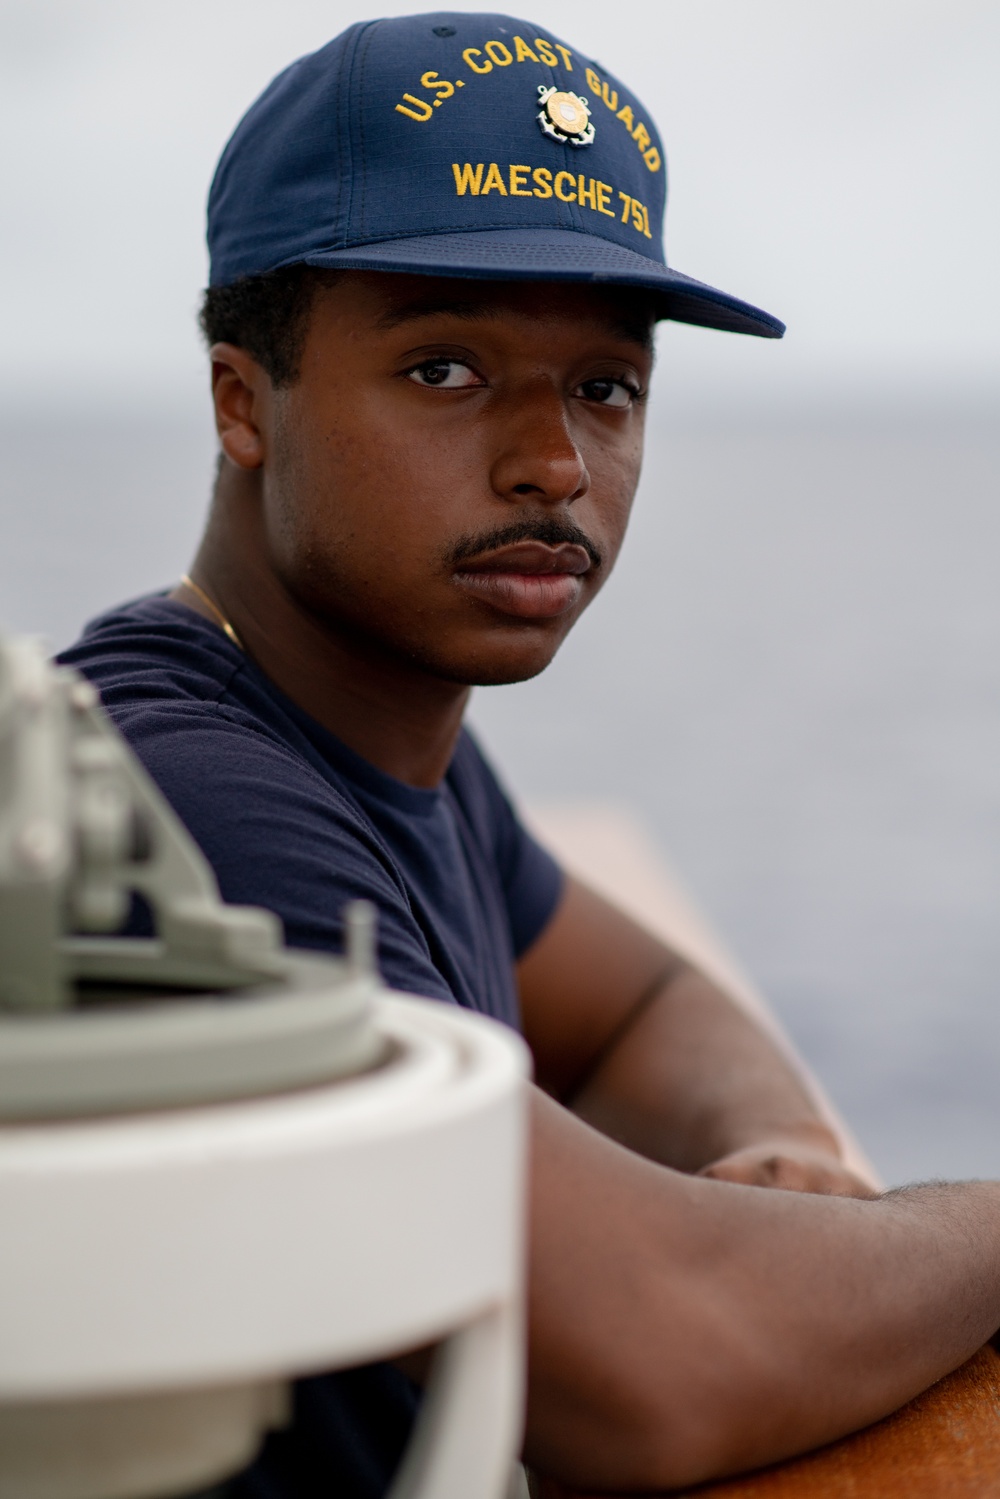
column 684, row 1328
column 692, row 1078
column 848, row 1309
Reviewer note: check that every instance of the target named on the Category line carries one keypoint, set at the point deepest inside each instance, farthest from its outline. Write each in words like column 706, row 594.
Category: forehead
column 388, row 301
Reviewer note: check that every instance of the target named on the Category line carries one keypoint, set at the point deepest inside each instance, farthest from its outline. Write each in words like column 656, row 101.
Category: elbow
column 616, row 1430
column 668, row 1419
column 638, row 1447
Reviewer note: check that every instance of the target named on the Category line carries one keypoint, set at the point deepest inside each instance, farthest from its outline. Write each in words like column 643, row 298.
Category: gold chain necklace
column 227, row 628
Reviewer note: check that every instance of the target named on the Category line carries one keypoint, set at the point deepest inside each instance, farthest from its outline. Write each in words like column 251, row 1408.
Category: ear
column 241, row 391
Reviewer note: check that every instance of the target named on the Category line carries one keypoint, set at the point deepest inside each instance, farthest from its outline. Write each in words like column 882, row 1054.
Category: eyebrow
column 636, row 327
column 408, row 312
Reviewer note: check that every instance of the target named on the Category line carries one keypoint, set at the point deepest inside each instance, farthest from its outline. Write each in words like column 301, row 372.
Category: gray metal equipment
column 92, row 1023
column 223, row 1164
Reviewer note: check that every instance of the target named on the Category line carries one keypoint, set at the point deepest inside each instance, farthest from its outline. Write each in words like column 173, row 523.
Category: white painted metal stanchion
column 214, row 1253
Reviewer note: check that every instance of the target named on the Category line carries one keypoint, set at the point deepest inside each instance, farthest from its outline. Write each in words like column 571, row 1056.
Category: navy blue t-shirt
column 292, row 819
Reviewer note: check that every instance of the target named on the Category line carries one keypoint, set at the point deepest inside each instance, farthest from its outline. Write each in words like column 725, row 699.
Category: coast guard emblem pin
column 564, row 116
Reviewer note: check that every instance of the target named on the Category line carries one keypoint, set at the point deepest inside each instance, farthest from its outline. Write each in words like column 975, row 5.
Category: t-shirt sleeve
column 531, row 880
column 278, row 835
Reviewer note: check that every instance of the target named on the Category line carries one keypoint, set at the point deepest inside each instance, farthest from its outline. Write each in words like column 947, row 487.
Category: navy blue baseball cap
column 455, row 144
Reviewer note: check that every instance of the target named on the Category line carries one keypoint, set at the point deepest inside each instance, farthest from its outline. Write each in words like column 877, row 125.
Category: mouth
column 529, row 579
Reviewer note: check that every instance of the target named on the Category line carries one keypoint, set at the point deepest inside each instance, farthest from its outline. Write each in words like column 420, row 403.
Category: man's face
column 450, row 477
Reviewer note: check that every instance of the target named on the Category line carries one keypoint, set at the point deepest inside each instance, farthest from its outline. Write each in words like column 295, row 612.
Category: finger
column 746, row 1173
column 790, row 1174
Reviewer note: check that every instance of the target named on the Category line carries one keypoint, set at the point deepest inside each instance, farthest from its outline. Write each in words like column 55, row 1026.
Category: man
column 436, row 263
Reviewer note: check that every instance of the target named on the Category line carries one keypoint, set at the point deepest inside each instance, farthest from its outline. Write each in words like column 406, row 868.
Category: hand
column 791, row 1166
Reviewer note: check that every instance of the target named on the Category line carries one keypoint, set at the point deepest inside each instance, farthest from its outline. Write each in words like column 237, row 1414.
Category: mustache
column 546, row 529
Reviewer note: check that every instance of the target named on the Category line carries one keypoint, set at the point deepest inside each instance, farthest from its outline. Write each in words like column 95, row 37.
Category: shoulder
column 201, row 719
column 274, row 820
column 154, row 648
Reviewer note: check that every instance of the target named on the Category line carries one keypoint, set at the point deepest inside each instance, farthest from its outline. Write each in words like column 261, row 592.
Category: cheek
column 606, row 509
column 348, row 509
column 431, row 481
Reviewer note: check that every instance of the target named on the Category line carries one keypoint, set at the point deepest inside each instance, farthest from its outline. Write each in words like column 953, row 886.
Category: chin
column 500, row 667
column 506, row 677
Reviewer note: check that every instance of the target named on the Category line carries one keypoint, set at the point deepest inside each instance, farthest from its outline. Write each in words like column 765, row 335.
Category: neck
column 392, row 713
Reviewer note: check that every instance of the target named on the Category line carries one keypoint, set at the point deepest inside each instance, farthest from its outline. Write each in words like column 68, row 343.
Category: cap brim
column 555, row 255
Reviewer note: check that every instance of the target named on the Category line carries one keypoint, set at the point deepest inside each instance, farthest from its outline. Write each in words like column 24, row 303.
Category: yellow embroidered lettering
column 423, row 110
column 593, row 80
column 542, row 179
column 610, row 97
column 524, row 52
column 441, row 86
column 652, row 159
column 586, row 195
column 518, row 177
column 604, row 198
column 562, row 177
column 645, row 218
column 625, row 115
column 637, row 215
column 494, row 180
column 465, row 177
column 565, row 54
column 641, row 136
column 469, row 54
column 626, row 205
column 546, row 53
column 500, row 54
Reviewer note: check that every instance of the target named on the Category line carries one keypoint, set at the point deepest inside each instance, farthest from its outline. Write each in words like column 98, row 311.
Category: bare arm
column 683, row 1328
column 656, row 1056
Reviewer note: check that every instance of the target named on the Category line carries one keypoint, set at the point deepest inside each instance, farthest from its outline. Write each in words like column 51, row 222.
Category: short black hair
column 267, row 315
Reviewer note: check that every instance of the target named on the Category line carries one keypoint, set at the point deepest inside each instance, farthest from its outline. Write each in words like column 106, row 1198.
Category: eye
column 618, row 394
column 444, row 374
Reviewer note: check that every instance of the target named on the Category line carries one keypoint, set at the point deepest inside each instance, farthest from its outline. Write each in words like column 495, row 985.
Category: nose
column 537, row 457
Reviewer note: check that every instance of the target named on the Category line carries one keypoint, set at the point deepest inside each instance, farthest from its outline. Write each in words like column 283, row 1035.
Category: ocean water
column 793, row 678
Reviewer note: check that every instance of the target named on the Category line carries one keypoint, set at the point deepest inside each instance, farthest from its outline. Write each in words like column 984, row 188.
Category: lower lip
column 525, row 595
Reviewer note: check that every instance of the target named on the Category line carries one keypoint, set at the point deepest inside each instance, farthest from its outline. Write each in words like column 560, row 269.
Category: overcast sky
column 834, row 161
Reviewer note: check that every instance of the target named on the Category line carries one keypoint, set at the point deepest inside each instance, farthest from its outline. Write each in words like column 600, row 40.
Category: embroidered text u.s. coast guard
column 576, row 126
